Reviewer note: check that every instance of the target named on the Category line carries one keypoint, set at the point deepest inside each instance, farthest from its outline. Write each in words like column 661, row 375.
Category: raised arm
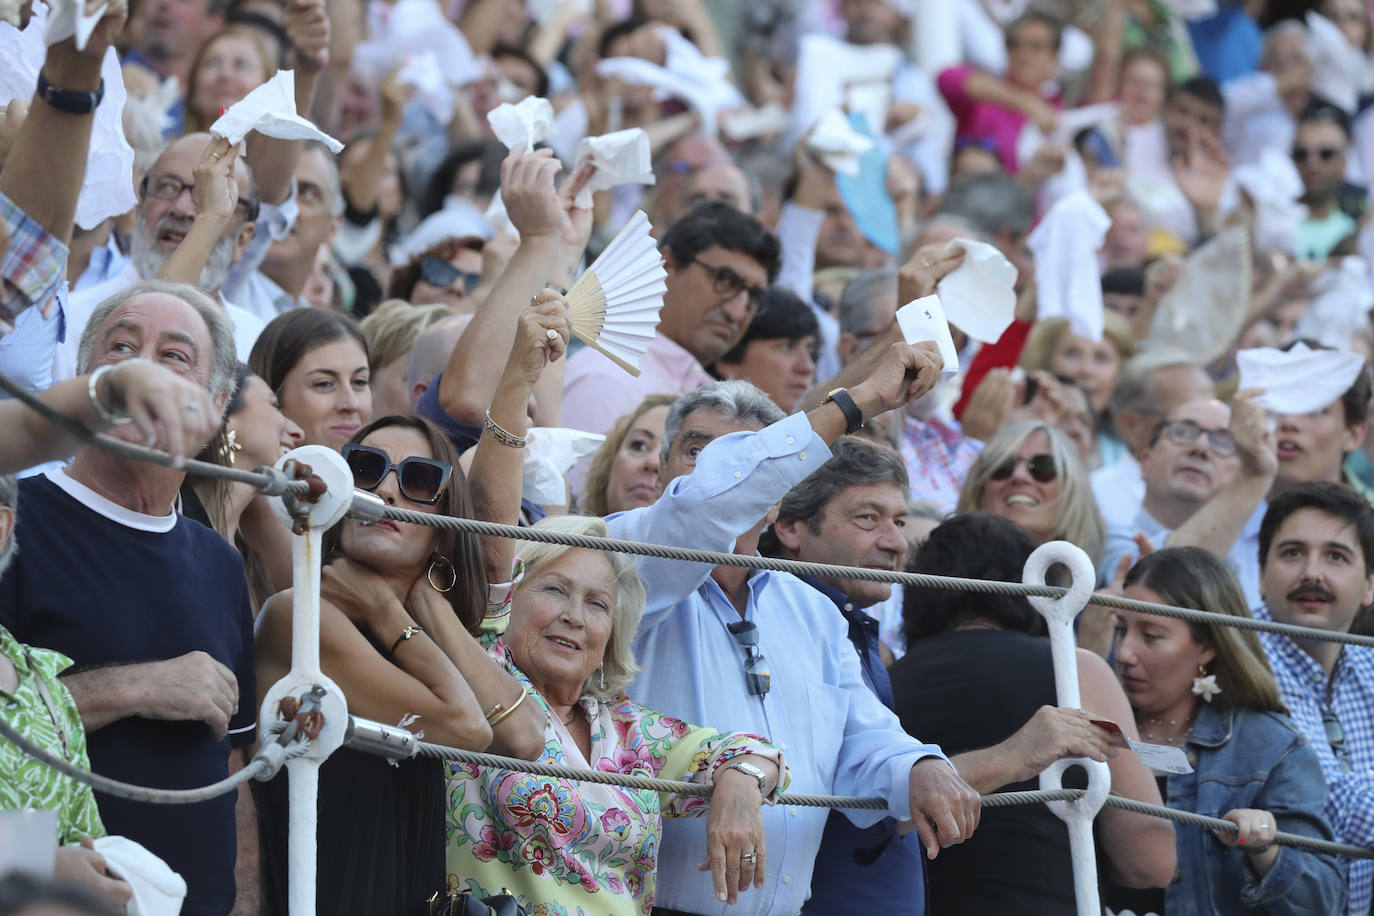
column 217, row 197
column 360, row 183
column 1107, row 43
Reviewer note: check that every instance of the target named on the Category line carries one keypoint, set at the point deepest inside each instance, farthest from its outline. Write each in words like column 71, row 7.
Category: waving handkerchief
column 270, row 110
column 1205, row 309
column 835, row 74
column 1299, row 380
column 522, row 126
column 1067, row 282
column 552, row 453
column 1341, row 72
column 620, row 157
column 68, row 18
column 1274, row 186
column 408, row 29
column 432, row 91
column 695, row 80
column 838, row 144
column 924, row 319
column 1341, row 307
column 979, row 295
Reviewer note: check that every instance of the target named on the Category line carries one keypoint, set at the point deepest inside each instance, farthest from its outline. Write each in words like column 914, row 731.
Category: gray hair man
column 163, row 662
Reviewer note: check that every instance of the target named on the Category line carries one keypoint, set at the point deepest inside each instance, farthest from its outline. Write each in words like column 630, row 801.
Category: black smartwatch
column 853, row 416
column 69, row 101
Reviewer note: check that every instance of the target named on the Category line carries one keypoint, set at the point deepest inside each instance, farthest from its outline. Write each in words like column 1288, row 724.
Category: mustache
column 1310, row 593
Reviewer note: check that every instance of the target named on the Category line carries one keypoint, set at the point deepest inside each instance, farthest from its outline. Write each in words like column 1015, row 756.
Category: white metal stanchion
column 308, row 523
column 1059, row 614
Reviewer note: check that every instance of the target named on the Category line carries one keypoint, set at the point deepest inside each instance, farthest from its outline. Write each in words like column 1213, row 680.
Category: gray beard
column 147, row 260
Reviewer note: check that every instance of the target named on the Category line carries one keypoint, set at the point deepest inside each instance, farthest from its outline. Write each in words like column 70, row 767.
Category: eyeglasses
column 1335, row 736
column 1324, row 153
column 728, row 284
column 1041, row 467
column 1186, row 432
column 756, row 673
column 440, row 273
column 422, row 480
column 170, row 187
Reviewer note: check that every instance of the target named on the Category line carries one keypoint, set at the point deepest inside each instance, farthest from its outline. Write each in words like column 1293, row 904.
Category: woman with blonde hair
column 624, row 471
column 232, row 63
column 1030, row 474
column 1208, row 689
column 391, row 330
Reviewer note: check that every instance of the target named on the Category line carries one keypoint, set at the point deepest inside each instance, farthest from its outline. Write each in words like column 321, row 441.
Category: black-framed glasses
column 170, row 187
column 728, row 284
column 440, row 273
column 1186, row 432
column 756, row 672
column 1041, row 467
column 1335, row 736
column 1324, row 153
column 422, row 480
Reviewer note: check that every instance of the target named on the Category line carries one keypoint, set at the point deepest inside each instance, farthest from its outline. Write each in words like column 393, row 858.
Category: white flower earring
column 1205, row 685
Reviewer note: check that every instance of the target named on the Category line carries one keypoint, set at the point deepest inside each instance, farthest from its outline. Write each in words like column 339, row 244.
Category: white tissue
column 108, row 188
column 755, row 122
column 270, row 110
column 1341, row 73
column 423, row 73
column 835, row 74
column 69, row 18
column 157, row 890
column 551, row 453
column 522, row 126
column 1204, row 311
column 410, row 28
column 837, row 144
column 1340, row 310
column 1274, row 186
column 621, row 157
column 979, row 295
column 458, row 220
column 1300, row 380
column 924, row 319
column 698, row 81
column 1067, row 282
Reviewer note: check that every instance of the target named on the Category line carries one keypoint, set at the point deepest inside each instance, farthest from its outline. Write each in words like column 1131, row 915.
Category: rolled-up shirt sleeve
column 32, row 264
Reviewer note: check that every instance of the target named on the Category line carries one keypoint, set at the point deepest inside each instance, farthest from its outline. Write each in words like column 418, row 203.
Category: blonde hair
column 394, row 326
column 594, row 501
column 1076, row 518
column 1045, row 338
column 1195, row 578
column 194, row 122
column 618, row 662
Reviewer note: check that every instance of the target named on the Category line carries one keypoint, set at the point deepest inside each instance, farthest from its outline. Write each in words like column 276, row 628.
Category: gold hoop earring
column 445, row 565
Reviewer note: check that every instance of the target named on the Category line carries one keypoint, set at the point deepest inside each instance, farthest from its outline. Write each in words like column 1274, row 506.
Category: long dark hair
column 469, row 593
column 291, row 335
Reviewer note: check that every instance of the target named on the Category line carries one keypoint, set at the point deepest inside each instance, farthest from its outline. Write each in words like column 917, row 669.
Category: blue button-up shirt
column 1305, row 689
column 835, row 735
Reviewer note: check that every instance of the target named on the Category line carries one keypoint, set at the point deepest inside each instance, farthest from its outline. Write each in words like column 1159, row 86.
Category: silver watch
column 748, row 769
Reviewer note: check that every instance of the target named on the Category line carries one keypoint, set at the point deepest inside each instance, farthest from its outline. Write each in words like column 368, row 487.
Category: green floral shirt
column 52, row 723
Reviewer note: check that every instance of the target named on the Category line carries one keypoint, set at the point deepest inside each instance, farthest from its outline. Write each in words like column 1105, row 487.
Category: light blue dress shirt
column 835, row 735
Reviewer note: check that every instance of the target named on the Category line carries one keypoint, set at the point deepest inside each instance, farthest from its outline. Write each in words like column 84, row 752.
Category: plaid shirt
column 32, row 263
column 1305, row 688
column 937, row 457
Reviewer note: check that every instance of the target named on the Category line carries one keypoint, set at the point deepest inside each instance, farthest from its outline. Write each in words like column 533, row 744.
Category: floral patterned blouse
column 43, row 711
column 567, row 848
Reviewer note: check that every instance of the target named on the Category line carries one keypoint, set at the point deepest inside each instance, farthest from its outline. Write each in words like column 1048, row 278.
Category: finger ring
column 750, row 857
column 191, row 406
column 553, row 335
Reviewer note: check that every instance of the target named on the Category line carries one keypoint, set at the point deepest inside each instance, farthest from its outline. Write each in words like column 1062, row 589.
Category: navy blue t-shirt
column 104, row 593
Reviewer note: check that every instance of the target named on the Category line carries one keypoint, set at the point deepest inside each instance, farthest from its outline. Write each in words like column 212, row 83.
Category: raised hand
column 541, row 337
column 306, row 23
column 927, row 267
column 1255, row 443
column 217, row 192
column 905, row 373
column 527, row 191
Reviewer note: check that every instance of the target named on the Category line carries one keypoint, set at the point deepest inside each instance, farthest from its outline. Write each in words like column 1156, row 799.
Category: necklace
column 572, row 714
column 1172, row 737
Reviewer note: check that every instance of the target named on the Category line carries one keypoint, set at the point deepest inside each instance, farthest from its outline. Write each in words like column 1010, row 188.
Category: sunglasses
column 1335, row 736
column 1324, row 153
column 1186, row 432
column 440, row 273
column 422, row 480
column 1041, row 467
column 756, row 673
column 728, row 284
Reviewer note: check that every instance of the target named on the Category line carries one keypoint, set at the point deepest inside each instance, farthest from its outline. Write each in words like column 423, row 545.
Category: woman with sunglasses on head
column 400, row 609
column 1029, row 473
column 1208, row 689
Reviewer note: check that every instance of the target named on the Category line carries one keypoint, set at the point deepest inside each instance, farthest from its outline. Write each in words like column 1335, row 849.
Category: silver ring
column 552, row 334
column 750, row 857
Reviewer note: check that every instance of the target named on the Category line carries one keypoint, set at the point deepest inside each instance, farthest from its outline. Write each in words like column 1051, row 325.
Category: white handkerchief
column 1273, row 185
column 755, row 122
column 1300, row 380
column 1341, row 307
column 1341, row 72
column 411, row 27
column 698, row 81
column 1204, row 311
column 551, row 453
column 1065, row 245
column 835, row 74
column 158, row 891
column 621, row 157
column 979, row 295
column 69, row 18
column 924, row 319
column 835, row 141
column 432, row 91
column 107, row 189
column 522, row 126
column 270, row 109
column 457, row 220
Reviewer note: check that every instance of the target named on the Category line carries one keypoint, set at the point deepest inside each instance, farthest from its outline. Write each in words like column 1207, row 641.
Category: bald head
column 723, row 182
column 431, row 351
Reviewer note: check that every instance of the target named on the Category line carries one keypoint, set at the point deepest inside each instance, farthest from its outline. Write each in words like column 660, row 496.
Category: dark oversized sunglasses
column 1041, row 467
column 1186, row 432
column 422, row 480
column 1324, row 153
column 440, row 273
column 757, row 675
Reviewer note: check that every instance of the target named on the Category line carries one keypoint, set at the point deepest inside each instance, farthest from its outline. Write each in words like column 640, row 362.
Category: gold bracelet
column 498, row 714
column 505, row 436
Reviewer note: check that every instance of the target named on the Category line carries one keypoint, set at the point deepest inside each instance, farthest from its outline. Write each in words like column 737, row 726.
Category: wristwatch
column 853, row 416
column 748, row 769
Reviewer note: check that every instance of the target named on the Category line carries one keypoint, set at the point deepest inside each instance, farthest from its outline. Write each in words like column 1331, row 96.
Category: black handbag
column 465, row 903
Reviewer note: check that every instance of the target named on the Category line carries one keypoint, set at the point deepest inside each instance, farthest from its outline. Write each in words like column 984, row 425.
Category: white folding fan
column 615, row 303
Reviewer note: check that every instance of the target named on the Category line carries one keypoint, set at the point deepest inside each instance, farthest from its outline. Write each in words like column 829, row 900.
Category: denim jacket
column 1247, row 759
